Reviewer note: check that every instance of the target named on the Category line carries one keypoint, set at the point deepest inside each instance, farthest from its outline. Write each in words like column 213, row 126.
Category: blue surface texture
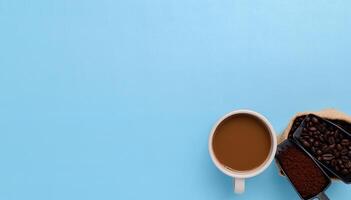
column 115, row 99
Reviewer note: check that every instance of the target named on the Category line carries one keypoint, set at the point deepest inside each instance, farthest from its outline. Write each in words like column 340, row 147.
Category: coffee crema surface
column 241, row 142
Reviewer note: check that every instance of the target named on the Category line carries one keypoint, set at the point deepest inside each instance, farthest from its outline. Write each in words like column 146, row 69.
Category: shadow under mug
column 240, row 176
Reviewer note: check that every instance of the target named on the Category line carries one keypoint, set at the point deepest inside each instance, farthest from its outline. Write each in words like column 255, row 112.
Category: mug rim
column 257, row 170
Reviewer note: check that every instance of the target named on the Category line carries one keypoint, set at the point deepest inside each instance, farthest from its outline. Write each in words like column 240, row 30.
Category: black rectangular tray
column 289, row 142
column 329, row 167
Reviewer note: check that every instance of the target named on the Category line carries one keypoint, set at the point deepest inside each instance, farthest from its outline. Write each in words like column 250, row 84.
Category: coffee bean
column 335, row 150
column 331, row 140
column 344, row 152
column 305, row 143
column 327, row 156
column 303, row 134
column 314, row 149
column 308, row 119
column 349, row 154
column 337, row 168
column 345, row 142
column 344, row 158
column 319, row 152
column 312, row 128
column 319, row 158
column 314, row 120
column 311, row 140
column 325, row 137
column 339, row 161
column 339, row 147
column 321, row 138
column 341, row 137
column 304, row 138
column 348, row 164
column 316, row 143
column 325, row 149
column 322, row 128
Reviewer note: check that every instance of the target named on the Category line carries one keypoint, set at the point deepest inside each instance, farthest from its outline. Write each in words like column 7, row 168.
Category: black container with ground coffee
column 308, row 179
column 327, row 143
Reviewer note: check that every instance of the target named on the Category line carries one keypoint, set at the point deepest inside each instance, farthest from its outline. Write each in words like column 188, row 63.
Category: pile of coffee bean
column 298, row 120
column 327, row 143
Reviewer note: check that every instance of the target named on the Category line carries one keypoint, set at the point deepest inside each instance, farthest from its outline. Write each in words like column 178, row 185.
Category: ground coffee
column 307, row 178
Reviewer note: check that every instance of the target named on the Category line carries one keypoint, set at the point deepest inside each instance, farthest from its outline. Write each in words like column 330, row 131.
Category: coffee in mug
column 242, row 144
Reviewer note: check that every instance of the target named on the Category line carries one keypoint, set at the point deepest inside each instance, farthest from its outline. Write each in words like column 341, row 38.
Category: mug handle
column 239, row 185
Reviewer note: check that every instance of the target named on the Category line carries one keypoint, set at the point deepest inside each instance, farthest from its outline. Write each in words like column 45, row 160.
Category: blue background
column 115, row 99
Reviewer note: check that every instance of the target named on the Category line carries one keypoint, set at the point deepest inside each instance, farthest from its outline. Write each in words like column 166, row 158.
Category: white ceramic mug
column 240, row 176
